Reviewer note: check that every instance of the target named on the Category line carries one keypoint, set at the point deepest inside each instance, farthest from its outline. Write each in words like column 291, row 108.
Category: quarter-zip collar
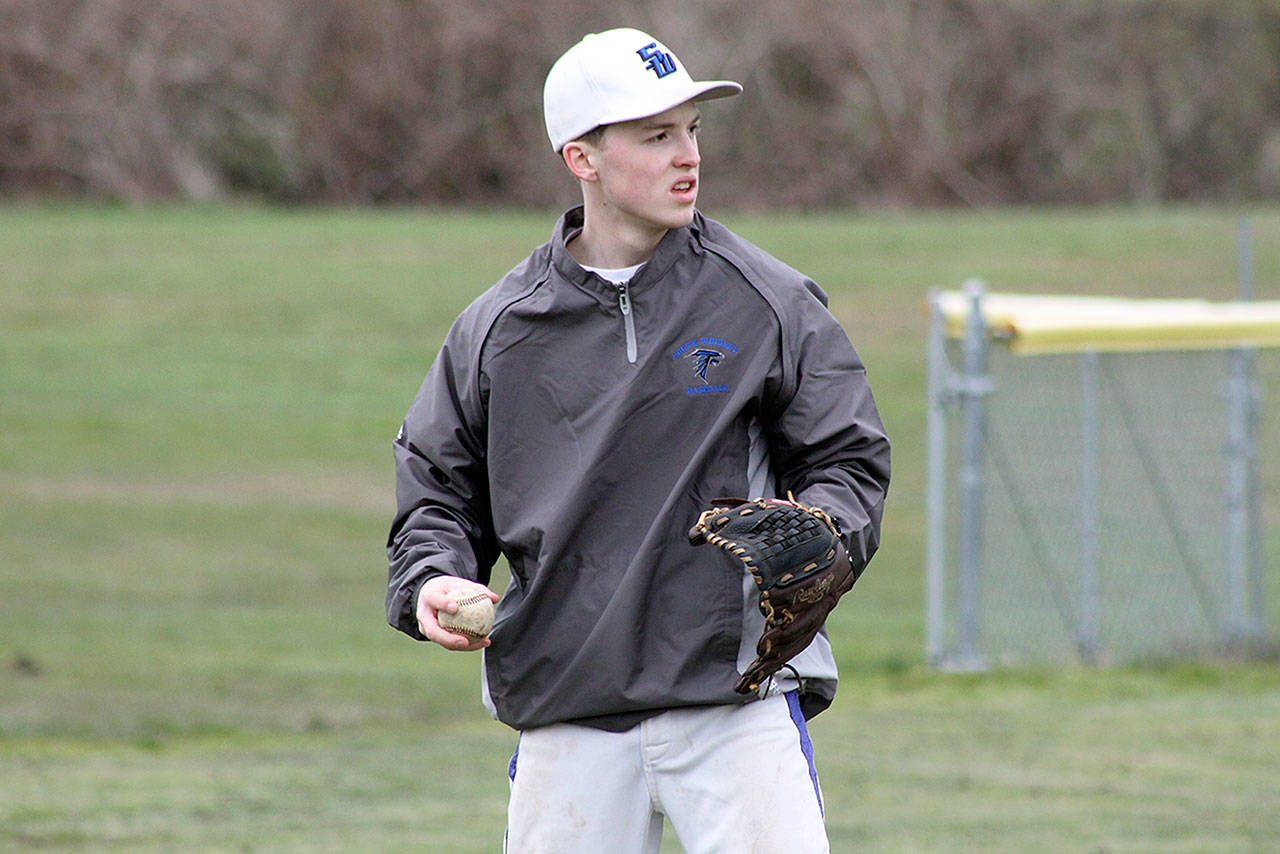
column 669, row 249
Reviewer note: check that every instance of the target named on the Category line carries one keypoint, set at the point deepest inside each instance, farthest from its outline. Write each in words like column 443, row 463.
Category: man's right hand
column 442, row 594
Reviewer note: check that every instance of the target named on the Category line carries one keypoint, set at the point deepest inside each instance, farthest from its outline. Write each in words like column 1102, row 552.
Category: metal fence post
column 973, row 390
column 935, row 544
column 1237, row 534
column 1252, row 604
column 1087, row 631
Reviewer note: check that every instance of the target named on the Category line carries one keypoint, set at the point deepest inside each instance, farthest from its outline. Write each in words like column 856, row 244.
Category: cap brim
column 718, row 89
column 705, row 90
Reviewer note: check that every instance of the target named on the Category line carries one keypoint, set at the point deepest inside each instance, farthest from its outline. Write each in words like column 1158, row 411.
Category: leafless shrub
column 870, row 102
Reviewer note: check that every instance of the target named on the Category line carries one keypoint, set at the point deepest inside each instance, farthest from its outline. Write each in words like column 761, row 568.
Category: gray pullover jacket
column 578, row 428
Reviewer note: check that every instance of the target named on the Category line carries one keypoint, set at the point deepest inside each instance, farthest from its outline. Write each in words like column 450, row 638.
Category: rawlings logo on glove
column 795, row 555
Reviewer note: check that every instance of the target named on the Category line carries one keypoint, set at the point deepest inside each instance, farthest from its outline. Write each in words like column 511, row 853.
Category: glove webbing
column 771, row 539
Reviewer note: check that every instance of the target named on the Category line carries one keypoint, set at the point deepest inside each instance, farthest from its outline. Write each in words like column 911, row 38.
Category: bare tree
column 865, row 102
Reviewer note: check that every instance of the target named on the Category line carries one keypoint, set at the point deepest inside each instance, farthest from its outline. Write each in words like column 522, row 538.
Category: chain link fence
column 1101, row 504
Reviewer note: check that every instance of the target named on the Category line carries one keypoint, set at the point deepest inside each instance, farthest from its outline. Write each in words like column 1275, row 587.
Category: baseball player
column 582, row 416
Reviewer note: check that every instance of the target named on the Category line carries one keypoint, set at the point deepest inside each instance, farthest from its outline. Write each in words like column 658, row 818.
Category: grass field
column 196, row 410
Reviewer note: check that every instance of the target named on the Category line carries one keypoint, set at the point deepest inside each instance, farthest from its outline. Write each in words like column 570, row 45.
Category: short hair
column 594, row 136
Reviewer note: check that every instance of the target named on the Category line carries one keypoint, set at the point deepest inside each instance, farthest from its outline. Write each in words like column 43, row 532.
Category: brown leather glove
column 795, row 555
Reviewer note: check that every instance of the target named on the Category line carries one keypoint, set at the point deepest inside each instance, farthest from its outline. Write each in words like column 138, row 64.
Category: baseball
column 474, row 618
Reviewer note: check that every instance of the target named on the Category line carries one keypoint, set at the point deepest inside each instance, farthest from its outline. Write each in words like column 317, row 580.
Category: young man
column 579, row 416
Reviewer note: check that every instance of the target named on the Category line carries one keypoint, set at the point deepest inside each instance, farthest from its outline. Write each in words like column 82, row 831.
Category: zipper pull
column 629, row 324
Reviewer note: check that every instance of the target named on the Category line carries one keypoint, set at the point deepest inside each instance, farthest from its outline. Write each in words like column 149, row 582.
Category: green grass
column 196, row 410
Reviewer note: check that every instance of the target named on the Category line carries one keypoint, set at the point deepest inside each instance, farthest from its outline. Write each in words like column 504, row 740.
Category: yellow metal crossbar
column 1071, row 324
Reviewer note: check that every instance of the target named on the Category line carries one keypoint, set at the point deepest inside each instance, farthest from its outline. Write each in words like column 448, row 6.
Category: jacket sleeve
column 826, row 438
column 443, row 524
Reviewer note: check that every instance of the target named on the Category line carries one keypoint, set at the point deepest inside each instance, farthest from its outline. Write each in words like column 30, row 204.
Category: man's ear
column 580, row 158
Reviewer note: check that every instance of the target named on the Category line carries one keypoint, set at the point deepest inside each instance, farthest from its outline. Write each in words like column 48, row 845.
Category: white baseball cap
column 616, row 76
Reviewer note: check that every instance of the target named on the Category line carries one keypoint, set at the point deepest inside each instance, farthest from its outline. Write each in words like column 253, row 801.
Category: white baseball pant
column 730, row 779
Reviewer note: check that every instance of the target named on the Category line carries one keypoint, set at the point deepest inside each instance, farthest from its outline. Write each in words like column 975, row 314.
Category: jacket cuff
column 408, row 618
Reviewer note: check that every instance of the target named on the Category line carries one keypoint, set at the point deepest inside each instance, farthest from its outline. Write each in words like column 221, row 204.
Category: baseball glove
column 798, row 561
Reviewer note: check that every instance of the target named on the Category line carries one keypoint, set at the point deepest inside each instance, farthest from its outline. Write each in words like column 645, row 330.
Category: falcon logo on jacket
column 704, row 355
column 704, row 360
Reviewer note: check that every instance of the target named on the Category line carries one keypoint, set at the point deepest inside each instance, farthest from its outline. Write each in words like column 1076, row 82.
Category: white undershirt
column 619, row 275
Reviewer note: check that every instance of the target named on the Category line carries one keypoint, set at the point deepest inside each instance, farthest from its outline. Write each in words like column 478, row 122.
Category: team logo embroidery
column 704, row 360
column 704, row 355
column 658, row 61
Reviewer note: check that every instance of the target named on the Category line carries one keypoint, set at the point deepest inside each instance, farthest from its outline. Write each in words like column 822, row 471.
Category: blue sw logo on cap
column 659, row 62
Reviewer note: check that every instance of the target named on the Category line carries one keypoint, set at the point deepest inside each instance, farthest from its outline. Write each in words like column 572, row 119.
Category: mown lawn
column 196, row 410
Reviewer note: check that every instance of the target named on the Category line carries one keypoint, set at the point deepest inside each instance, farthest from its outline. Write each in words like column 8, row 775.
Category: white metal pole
column 935, row 544
column 1255, row 565
column 1087, row 631
column 1237, row 534
column 973, row 393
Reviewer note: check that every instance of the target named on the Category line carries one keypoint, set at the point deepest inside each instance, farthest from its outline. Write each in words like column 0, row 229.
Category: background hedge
column 848, row 102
